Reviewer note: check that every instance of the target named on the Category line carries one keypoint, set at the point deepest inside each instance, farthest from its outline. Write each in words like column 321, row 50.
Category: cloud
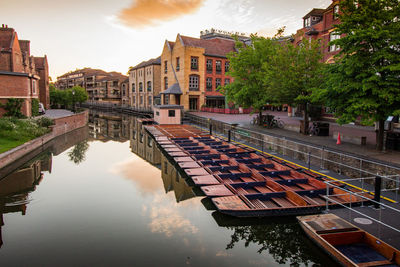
column 148, row 179
column 144, row 13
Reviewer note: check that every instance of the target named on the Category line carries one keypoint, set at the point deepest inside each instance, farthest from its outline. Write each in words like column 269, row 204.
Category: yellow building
column 183, row 68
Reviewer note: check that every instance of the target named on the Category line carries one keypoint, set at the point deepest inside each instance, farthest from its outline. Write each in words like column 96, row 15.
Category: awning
column 175, row 89
column 215, row 97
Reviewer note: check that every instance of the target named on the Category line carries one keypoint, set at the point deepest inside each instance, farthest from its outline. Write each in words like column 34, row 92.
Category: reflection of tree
column 77, row 154
column 285, row 242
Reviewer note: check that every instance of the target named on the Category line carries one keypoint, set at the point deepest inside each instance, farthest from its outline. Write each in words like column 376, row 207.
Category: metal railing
column 323, row 157
column 382, row 211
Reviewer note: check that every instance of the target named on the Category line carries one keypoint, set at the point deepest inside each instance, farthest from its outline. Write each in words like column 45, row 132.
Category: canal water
column 105, row 196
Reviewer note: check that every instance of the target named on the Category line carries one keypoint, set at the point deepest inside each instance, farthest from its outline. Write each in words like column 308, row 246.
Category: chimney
column 2, row 25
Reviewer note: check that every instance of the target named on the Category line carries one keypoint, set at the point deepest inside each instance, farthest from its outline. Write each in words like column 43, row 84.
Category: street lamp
column 73, row 101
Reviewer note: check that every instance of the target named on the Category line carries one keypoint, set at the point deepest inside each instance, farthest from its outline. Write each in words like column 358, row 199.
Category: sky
column 115, row 34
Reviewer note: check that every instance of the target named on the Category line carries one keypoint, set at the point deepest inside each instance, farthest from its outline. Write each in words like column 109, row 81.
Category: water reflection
column 160, row 213
column 77, row 154
column 15, row 188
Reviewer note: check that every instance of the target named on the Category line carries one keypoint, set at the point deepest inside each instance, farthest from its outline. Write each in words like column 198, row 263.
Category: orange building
column 319, row 24
column 193, row 68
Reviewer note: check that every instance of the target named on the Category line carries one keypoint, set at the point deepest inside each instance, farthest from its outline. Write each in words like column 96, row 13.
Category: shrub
column 44, row 122
column 35, row 107
column 13, row 107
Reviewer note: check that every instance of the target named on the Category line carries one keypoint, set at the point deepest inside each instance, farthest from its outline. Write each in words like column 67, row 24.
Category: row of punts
column 243, row 183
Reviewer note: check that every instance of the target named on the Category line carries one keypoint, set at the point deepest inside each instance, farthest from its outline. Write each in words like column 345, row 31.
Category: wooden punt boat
column 281, row 203
column 346, row 243
column 266, row 186
column 246, row 188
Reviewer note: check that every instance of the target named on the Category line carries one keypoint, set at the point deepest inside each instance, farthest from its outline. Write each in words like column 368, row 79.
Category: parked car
column 42, row 110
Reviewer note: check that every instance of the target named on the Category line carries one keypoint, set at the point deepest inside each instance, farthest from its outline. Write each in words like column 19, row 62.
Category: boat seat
column 376, row 263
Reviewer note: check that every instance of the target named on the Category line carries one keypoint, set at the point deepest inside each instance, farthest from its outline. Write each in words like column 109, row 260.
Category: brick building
column 319, row 24
column 193, row 68
column 22, row 76
column 145, row 83
column 100, row 85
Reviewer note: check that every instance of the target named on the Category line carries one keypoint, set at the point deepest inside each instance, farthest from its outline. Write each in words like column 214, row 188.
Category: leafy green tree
column 364, row 81
column 249, row 86
column 294, row 73
column 35, row 107
column 80, row 95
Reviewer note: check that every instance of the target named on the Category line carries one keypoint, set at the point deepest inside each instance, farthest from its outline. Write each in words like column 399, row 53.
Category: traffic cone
column 338, row 142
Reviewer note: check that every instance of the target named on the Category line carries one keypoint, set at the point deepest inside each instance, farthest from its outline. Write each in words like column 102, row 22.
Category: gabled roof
column 174, row 89
column 214, row 47
column 315, row 12
column 153, row 61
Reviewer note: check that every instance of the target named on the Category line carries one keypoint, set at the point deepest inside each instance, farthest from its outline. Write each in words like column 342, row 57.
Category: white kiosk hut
column 167, row 114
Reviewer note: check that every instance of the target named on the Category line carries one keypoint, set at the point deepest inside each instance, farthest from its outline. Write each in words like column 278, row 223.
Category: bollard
column 378, row 187
column 210, row 129
column 229, row 136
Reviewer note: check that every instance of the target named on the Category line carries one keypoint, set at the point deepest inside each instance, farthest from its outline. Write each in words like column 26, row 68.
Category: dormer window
column 307, row 22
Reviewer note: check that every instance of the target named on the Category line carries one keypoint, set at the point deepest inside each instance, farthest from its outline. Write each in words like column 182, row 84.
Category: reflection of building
column 22, row 76
column 142, row 143
column 173, row 180
column 107, row 126
column 15, row 188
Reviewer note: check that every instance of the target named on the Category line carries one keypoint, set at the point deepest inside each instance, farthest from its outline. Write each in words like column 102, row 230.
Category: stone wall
column 62, row 125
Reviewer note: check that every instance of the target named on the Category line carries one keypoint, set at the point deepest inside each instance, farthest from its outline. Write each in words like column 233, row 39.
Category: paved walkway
column 57, row 113
column 367, row 150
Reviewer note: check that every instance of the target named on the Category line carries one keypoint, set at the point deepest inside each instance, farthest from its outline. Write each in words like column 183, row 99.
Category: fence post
column 378, row 187
column 229, row 136
column 210, row 125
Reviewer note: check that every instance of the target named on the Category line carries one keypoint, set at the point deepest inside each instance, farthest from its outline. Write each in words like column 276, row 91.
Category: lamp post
column 73, row 101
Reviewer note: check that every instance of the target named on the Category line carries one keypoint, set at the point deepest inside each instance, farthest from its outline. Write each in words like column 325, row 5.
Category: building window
column 165, row 83
column 333, row 36
column 209, row 65
column 218, row 66
column 307, row 22
column 193, row 82
column 217, row 83
column 209, row 84
column 178, row 65
column 194, row 63
column 141, row 100
column 149, row 86
column 33, row 87
column 166, row 99
column 336, row 12
column 134, row 100
column 226, row 66
column 165, row 66
column 140, row 87
column 149, row 100
column 227, row 81
column 171, row 113
column 133, row 87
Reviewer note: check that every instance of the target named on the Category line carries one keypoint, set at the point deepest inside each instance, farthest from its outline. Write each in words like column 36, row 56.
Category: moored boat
column 346, row 243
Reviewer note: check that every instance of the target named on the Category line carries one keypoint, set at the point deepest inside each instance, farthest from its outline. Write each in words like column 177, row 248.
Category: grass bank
column 15, row 132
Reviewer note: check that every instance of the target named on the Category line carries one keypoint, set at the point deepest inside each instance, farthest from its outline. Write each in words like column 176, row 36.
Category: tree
column 294, row 73
column 78, row 154
column 80, row 95
column 249, row 88
column 364, row 81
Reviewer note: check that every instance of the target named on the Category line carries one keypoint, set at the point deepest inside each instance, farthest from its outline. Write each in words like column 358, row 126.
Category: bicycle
column 275, row 123
column 313, row 129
